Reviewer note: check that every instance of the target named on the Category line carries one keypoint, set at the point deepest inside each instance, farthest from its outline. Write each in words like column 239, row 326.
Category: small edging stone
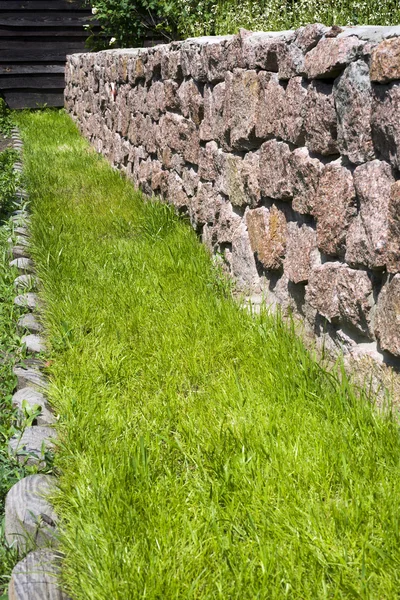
column 29, row 300
column 25, row 265
column 35, row 577
column 30, row 447
column 29, row 323
column 35, row 344
column 29, row 377
column 29, row 517
column 25, row 282
column 33, row 398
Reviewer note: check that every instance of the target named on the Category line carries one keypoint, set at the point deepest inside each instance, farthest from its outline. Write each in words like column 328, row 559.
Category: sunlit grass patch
column 205, row 454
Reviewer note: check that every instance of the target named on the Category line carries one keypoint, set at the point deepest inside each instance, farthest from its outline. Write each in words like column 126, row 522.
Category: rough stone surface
column 36, row 577
column 334, row 208
column 281, row 147
column 29, row 377
column 24, row 265
column 30, row 447
column 301, row 252
column 330, row 56
column 275, row 172
column 29, row 323
column 385, row 123
column 34, row 343
column 385, row 61
column 212, row 126
column 342, row 295
column 387, row 319
column 271, row 107
column 32, row 398
column 321, row 120
column 20, row 252
column 305, row 175
column 25, row 282
column 353, row 100
column 22, row 231
column 268, row 235
column 28, row 300
column 29, row 518
column 240, row 111
column 368, row 236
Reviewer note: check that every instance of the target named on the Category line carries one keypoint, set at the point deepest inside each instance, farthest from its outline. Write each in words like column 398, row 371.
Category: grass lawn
column 204, row 454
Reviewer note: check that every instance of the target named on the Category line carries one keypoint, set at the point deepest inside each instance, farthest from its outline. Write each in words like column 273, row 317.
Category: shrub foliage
column 129, row 23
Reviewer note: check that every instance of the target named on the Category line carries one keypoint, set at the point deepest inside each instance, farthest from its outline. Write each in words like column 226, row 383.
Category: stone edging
column 30, row 522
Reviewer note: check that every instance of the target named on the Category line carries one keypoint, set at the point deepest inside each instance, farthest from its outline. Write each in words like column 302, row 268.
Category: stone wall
column 284, row 150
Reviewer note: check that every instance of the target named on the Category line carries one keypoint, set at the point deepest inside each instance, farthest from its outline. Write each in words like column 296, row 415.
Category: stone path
column 30, row 521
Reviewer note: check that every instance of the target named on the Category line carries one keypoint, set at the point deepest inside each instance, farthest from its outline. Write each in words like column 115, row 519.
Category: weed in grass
column 204, row 453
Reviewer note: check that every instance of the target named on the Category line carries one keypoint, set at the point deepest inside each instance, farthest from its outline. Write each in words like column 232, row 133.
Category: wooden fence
column 35, row 37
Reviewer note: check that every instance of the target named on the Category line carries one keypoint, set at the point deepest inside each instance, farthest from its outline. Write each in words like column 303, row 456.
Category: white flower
column 112, row 40
column 95, row 10
column 86, row 26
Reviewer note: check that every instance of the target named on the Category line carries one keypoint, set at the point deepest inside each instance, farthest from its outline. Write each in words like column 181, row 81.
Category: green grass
column 204, row 454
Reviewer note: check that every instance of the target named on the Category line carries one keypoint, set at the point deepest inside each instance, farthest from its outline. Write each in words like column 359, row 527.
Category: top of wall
column 314, row 51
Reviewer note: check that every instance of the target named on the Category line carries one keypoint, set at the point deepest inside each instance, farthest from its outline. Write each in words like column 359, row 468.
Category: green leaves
column 131, row 23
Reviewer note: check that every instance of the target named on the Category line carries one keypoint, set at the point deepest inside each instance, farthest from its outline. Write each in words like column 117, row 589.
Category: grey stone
column 29, row 322
column 275, row 171
column 371, row 33
column 25, row 282
column 24, row 265
column 30, row 447
column 271, row 109
column 34, row 343
column 331, row 56
column 342, row 295
column 353, row 99
column 212, row 126
column 385, row 124
column 305, row 175
column 387, row 321
column 320, row 120
column 334, row 208
column 20, row 252
column 368, row 239
column 36, row 577
column 29, row 377
column 28, row 300
column 30, row 520
column 32, row 398
column 301, row 252
column 241, row 259
column 22, row 231
column 241, row 105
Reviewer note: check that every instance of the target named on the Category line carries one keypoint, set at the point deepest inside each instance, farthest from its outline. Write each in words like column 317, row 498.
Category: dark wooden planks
column 42, row 18
column 28, row 5
column 35, row 38
column 23, row 69
column 48, row 82
column 34, row 99
column 60, row 45
column 53, row 55
column 39, row 32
